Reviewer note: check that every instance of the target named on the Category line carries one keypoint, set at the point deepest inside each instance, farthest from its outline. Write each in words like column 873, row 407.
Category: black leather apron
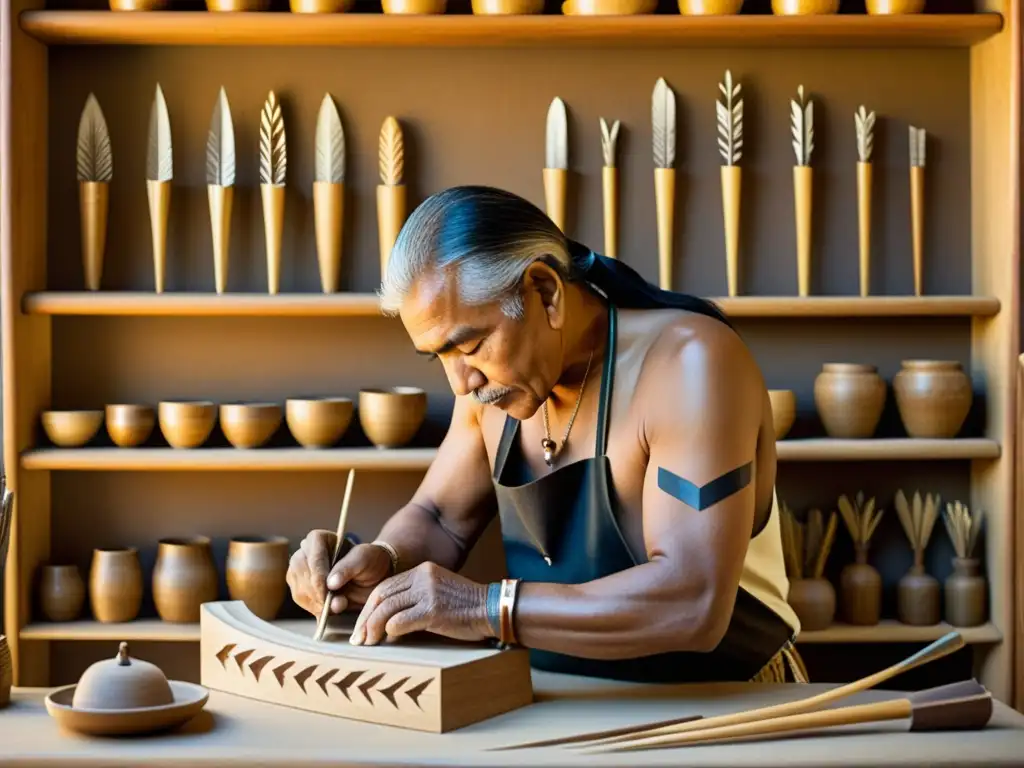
column 569, row 517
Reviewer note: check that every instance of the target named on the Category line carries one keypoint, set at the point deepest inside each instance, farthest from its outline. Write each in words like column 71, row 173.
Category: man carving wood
column 622, row 433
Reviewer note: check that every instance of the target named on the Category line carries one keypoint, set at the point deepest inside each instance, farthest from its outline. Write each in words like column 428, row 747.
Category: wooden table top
column 235, row 731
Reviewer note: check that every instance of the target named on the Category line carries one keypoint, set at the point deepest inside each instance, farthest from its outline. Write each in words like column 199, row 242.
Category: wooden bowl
column 391, row 417
column 318, row 422
column 249, row 425
column 320, row 6
column 234, row 6
column 507, row 7
column 804, row 7
column 130, row 425
column 783, row 410
column 608, row 7
column 710, row 7
column 71, row 429
column 414, row 7
column 187, row 424
column 893, row 7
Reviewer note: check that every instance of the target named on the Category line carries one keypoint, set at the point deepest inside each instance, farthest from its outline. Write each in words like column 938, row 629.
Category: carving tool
column 962, row 706
column 273, row 169
column 220, row 185
column 329, row 193
column 864, row 122
column 917, row 157
column 610, row 183
column 730, row 146
column 944, row 646
column 159, row 173
column 391, row 201
column 556, row 162
column 802, row 118
column 663, row 128
column 95, row 166
column 339, row 549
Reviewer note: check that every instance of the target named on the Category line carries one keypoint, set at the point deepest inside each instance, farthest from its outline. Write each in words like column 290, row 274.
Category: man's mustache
column 492, row 395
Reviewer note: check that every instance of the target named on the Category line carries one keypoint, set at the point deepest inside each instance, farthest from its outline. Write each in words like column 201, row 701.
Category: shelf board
column 890, row 631
column 412, row 459
column 140, row 303
column 156, row 630
column 379, row 30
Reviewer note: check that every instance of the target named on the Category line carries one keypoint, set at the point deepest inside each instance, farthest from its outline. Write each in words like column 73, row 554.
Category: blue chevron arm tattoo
column 702, row 497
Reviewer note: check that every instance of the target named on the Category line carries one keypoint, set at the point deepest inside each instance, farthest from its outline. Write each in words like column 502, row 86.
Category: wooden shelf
column 890, row 631
column 137, row 303
column 376, row 30
column 411, row 459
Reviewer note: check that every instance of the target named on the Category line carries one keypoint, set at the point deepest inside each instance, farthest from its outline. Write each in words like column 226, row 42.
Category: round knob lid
column 122, row 683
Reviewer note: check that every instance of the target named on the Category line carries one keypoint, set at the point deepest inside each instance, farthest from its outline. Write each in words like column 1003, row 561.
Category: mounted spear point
column 864, row 122
column 729, row 111
column 329, row 193
column 609, row 185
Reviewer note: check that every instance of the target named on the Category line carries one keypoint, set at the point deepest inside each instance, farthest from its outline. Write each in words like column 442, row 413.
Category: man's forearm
column 634, row 613
column 419, row 535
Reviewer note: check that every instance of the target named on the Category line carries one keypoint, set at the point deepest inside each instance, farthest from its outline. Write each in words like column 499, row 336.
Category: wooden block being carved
column 425, row 684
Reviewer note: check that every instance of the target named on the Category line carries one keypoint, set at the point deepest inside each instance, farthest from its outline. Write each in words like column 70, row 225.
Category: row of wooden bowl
column 933, row 398
column 390, row 418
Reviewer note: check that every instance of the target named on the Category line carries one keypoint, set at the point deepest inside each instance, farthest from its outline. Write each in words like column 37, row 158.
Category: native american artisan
column 623, row 435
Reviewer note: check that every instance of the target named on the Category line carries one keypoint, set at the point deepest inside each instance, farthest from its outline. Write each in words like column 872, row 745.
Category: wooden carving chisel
column 339, row 550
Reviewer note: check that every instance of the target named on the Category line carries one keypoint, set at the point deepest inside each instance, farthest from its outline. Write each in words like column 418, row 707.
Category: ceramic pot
column 861, row 588
column 184, row 577
column 130, row 425
column 933, row 397
column 256, row 570
column 893, row 7
column 814, row 602
column 966, row 594
column 186, row 424
column 783, row 410
column 709, row 7
column 918, row 601
column 804, row 7
column 61, row 592
column 849, row 398
column 6, row 672
column 392, row 417
column 115, row 584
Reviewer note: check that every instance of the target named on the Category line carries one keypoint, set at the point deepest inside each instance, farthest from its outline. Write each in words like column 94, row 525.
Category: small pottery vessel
column 966, row 594
column 391, row 417
column 893, row 7
column 115, row 584
column 414, row 7
column 814, row 602
column 122, row 683
column 187, row 424
column 849, row 398
column 256, row 570
column 71, row 429
column 6, row 672
column 320, row 6
column 130, row 425
column 249, row 425
column 710, row 7
column 783, row 410
column 804, row 7
column 861, row 588
column 918, row 600
column 234, row 6
column 319, row 422
column 61, row 592
column 184, row 577
column 933, row 397
column 507, row 7
column 608, row 7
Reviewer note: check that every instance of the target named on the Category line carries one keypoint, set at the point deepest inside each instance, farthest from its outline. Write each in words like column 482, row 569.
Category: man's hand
column 427, row 598
column 361, row 569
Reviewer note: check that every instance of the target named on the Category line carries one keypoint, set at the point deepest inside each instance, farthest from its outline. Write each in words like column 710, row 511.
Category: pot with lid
column 125, row 695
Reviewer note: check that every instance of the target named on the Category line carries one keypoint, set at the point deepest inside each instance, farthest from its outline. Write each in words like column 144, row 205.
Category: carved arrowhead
column 322, row 680
column 389, row 692
column 303, row 676
column 241, row 657
column 368, row 685
column 224, row 653
column 258, row 665
column 416, row 691
column 279, row 672
column 346, row 682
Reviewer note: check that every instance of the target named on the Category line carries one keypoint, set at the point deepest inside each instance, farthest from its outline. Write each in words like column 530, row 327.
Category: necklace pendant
column 549, row 450
column 547, row 560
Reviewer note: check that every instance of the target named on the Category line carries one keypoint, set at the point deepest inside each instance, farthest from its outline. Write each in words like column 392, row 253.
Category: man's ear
column 542, row 279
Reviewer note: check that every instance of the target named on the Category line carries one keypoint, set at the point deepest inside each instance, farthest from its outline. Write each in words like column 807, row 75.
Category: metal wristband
column 392, row 553
column 494, row 607
column 506, row 612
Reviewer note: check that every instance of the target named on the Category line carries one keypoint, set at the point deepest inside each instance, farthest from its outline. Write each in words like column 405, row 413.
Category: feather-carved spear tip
column 609, row 139
column 94, row 157
column 730, row 120
column 330, row 144
column 556, row 149
column 802, row 118
column 220, row 144
column 159, row 151
column 391, row 153
column 273, row 147
column 917, row 147
column 663, row 124
column 864, row 122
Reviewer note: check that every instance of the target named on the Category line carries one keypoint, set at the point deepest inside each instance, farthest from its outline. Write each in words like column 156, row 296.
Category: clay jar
column 184, row 577
column 849, row 398
column 933, row 397
column 966, row 594
column 115, row 584
column 918, row 598
column 61, row 592
column 814, row 602
column 861, row 588
column 256, row 570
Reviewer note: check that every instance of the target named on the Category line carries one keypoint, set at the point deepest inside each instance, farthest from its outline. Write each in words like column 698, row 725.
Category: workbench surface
column 235, row 731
